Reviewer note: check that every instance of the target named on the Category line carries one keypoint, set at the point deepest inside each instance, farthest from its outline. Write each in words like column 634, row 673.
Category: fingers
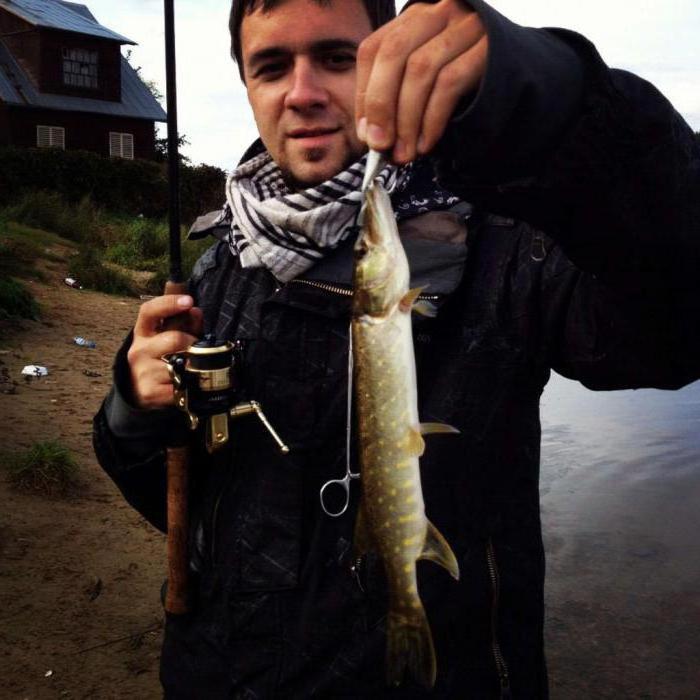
column 412, row 72
column 381, row 62
column 457, row 78
column 165, row 343
column 150, row 380
column 152, row 387
column 191, row 322
column 154, row 311
column 437, row 75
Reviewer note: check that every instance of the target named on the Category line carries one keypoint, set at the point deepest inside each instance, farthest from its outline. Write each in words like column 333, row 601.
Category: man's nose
column 306, row 90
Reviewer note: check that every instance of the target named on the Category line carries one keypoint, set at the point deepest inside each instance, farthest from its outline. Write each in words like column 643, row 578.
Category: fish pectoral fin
column 415, row 442
column 409, row 299
column 430, row 428
column 425, row 308
column 436, row 548
column 362, row 542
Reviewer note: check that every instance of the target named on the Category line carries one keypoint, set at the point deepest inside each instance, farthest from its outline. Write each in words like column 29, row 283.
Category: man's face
column 299, row 67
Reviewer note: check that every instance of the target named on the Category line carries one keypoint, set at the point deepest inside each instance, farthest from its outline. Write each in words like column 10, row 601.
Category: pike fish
column 391, row 519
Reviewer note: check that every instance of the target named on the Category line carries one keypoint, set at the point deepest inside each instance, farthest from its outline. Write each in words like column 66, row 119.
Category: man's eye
column 339, row 61
column 270, row 69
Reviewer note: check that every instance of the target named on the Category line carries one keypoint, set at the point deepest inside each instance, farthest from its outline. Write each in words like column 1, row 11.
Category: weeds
column 18, row 259
column 16, row 301
column 141, row 243
column 88, row 267
column 47, row 468
column 48, row 210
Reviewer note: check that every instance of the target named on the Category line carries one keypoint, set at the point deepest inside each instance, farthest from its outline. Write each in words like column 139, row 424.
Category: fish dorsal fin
column 415, row 442
column 362, row 541
column 409, row 299
column 435, row 548
column 432, row 428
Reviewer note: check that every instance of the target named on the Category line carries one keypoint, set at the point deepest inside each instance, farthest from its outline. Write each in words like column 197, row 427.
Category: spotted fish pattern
column 391, row 519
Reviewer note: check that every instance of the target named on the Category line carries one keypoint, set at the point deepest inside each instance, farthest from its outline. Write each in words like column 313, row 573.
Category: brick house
column 64, row 83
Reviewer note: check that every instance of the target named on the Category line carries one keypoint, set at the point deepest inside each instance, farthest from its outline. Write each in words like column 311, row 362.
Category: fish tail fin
column 410, row 648
column 438, row 550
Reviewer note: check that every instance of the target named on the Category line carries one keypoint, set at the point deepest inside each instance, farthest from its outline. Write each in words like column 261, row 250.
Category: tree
column 152, row 85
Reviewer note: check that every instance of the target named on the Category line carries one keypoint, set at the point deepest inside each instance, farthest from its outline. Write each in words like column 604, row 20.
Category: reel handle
column 176, row 599
column 177, row 596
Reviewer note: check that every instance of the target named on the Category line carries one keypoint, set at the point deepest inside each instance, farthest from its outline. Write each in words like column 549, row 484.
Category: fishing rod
column 205, row 376
column 177, row 455
column 175, row 282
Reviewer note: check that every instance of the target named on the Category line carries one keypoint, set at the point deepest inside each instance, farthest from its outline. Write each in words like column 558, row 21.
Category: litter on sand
column 35, row 371
column 91, row 373
column 72, row 282
column 84, row 342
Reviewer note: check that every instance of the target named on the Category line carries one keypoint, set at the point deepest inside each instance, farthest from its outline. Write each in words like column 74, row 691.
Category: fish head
column 381, row 269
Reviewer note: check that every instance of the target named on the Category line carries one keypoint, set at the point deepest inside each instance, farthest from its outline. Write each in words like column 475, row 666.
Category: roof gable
column 67, row 16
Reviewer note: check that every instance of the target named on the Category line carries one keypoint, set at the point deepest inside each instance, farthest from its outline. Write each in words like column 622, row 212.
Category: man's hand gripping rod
column 203, row 375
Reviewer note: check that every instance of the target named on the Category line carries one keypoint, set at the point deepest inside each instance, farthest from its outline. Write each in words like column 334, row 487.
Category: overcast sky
column 657, row 40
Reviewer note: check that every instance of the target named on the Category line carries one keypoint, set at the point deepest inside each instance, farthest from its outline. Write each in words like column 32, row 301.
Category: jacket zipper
column 501, row 666
column 347, row 291
column 356, row 571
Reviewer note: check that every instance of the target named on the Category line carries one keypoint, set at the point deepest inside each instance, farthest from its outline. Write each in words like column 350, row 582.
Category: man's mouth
column 315, row 133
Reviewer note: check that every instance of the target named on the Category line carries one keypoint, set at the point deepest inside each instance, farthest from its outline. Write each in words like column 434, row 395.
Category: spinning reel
column 207, row 388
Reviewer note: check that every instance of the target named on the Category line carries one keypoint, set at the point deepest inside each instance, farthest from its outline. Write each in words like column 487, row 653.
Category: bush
column 127, row 187
column 16, row 301
column 145, row 247
column 47, row 468
column 140, row 242
column 88, row 268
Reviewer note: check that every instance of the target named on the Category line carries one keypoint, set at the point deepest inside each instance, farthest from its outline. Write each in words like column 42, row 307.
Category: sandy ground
column 80, row 615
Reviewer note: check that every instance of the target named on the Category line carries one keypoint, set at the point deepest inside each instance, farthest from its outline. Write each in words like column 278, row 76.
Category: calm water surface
column 621, row 514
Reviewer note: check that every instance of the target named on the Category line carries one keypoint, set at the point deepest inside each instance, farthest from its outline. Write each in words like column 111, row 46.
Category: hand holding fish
column 412, row 72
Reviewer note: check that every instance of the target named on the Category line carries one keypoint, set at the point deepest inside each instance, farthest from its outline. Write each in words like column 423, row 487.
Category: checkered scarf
column 287, row 231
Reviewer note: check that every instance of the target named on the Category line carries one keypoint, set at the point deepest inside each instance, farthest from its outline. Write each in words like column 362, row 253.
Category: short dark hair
column 379, row 12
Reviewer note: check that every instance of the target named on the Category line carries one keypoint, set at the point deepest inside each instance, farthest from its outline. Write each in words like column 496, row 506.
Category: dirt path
column 80, row 615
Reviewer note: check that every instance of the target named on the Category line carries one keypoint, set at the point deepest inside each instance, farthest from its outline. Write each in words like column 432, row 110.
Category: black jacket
column 581, row 255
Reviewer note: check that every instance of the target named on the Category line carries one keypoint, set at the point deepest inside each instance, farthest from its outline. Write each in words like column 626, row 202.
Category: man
column 561, row 232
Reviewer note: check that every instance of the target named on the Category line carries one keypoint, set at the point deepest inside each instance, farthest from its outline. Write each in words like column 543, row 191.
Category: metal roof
column 80, row 9
column 137, row 100
column 70, row 17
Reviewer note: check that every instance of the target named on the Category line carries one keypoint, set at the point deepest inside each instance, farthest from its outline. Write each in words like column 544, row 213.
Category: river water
column 620, row 491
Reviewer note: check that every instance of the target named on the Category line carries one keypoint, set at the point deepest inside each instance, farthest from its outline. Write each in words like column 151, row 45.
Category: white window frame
column 121, row 145
column 80, row 68
column 50, row 136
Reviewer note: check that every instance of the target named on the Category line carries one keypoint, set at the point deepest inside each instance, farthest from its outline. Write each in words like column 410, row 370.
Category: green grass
column 47, row 468
column 41, row 220
column 141, row 243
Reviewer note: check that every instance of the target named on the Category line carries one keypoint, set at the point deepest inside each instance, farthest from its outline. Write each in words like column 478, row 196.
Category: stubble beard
column 314, row 155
